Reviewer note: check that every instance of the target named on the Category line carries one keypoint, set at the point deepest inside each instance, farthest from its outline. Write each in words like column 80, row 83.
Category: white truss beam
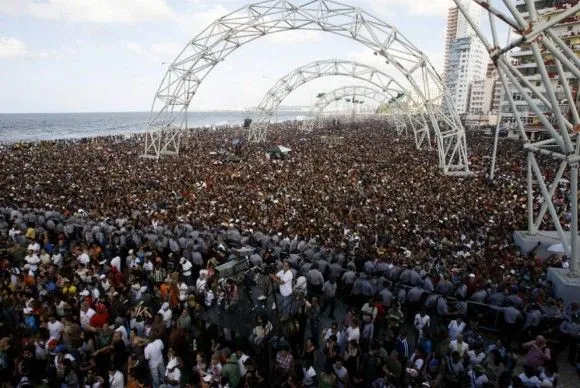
column 253, row 21
column 391, row 90
column 537, row 34
column 399, row 117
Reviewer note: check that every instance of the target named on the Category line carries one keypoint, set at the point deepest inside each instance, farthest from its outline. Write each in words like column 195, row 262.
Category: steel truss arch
column 228, row 33
column 553, row 103
column 317, row 109
column 336, row 67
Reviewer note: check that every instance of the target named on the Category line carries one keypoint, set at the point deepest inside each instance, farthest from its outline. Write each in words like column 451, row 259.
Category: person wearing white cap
column 167, row 314
column 186, row 267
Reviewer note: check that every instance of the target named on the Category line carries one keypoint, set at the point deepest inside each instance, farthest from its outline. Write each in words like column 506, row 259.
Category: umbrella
column 281, row 149
column 556, row 248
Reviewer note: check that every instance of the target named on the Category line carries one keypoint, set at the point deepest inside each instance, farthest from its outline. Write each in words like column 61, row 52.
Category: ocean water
column 18, row 127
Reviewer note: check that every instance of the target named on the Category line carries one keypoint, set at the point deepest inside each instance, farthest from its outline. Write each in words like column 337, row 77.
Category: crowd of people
column 109, row 262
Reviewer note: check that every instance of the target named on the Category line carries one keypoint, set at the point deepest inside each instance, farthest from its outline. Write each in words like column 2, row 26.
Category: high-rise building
column 568, row 31
column 492, row 91
column 476, row 98
column 484, row 99
column 464, row 55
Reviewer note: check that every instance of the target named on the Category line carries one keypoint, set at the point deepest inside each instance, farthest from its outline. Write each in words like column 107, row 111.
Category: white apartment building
column 464, row 56
column 569, row 31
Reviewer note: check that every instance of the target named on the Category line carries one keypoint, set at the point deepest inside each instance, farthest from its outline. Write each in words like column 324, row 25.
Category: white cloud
column 195, row 22
column 164, row 51
column 415, row 7
column 135, row 48
column 92, row 11
column 12, row 48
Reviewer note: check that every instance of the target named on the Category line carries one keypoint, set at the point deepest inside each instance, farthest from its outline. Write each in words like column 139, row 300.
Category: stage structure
column 338, row 67
column 179, row 85
column 396, row 118
column 559, row 117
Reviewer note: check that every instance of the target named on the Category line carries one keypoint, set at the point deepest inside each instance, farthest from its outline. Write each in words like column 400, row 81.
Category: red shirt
column 99, row 319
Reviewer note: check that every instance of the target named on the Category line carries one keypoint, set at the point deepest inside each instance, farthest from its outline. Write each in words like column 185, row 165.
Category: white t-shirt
column 154, row 353
column 116, row 262
column 241, row 361
column 352, row 333
column 84, row 258
column 186, row 267
column 286, row 286
column 33, row 261
column 167, row 314
column 55, row 329
column 116, row 380
column 421, row 322
column 309, row 376
column 86, row 317
column 477, row 382
column 455, row 329
column 124, row 335
column 57, row 259
column 174, row 375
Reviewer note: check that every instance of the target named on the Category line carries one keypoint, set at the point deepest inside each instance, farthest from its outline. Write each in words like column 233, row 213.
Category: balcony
column 522, row 53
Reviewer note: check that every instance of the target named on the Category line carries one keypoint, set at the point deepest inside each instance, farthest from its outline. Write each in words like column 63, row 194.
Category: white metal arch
column 335, row 67
column 551, row 95
column 317, row 109
column 228, row 33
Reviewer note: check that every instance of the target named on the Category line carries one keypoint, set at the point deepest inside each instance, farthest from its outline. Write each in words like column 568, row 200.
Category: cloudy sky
column 110, row 55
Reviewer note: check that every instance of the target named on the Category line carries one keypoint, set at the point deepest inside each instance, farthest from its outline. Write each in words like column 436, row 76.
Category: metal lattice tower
column 228, row 33
column 391, row 90
column 555, row 61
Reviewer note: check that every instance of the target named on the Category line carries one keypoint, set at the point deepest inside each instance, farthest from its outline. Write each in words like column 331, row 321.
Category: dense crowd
column 109, row 263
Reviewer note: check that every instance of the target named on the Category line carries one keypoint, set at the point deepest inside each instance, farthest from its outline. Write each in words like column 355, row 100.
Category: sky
column 111, row 55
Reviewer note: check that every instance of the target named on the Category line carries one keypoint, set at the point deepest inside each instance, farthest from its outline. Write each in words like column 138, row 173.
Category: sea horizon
column 23, row 127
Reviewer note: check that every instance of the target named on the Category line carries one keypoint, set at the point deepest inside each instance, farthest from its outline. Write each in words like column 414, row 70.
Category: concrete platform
column 565, row 287
column 527, row 242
